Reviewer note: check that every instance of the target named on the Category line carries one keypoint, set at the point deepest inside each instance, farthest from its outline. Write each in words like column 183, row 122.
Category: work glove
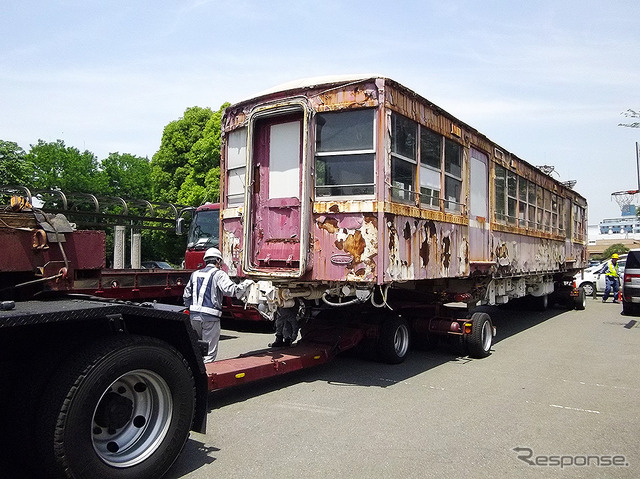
column 243, row 287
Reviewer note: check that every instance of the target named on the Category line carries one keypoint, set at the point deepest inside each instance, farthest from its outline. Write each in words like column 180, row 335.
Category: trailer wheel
column 541, row 303
column 121, row 408
column 393, row 343
column 480, row 340
column 580, row 301
column 629, row 309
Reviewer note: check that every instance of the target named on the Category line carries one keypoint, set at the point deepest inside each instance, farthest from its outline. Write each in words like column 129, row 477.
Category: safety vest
column 612, row 270
column 205, row 296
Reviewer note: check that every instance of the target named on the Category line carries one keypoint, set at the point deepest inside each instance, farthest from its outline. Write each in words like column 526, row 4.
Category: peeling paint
column 328, row 224
column 446, row 252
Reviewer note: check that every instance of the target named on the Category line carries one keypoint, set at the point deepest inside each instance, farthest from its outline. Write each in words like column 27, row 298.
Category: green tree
column 14, row 168
column 127, row 175
column 186, row 168
column 614, row 248
column 170, row 164
column 58, row 166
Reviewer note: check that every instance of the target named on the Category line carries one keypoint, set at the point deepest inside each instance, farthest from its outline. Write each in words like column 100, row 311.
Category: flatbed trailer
column 313, row 350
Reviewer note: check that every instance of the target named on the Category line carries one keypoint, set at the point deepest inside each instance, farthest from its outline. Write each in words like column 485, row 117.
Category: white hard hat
column 213, row 253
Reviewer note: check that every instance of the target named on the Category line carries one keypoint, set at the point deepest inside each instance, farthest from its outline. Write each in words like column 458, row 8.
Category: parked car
column 592, row 279
column 631, row 283
column 156, row 265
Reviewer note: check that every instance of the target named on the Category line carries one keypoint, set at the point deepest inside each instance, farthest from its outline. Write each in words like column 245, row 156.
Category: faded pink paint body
column 378, row 240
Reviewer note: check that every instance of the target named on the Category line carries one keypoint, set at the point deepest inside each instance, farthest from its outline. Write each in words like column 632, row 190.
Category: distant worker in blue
column 612, row 279
column 203, row 296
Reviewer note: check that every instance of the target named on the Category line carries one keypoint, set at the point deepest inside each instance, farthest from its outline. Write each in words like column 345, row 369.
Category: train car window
column 404, row 134
column 453, row 175
column 512, row 200
column 430, row 168
column 236, row 164
column 554, row 213
column 345, row 155
column 500, row 183
column 531, row 200
column 522, row 202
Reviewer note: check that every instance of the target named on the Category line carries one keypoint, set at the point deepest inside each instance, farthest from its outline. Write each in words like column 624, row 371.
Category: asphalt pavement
column 558, row 397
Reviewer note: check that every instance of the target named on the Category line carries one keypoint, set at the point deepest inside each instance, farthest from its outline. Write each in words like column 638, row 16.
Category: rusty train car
column 356, row 192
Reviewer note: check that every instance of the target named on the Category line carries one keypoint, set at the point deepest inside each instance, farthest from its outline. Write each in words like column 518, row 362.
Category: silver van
column 631, row 283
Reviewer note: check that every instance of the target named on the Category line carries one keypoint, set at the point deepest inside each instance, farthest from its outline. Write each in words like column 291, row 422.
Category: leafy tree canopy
column 14, row 168
column 58, row 166
column 614, row 248
column 186, row 168
column 127, row 175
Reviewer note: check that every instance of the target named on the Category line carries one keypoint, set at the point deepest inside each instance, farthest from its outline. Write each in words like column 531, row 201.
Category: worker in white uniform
column 203, row 296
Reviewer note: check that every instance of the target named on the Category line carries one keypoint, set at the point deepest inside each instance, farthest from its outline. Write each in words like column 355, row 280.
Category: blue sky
column 547, row 80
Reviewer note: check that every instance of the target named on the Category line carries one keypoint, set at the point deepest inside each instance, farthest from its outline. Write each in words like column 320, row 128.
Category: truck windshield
column 204, row 231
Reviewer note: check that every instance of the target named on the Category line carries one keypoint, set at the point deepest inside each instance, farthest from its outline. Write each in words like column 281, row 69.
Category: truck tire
column 120, row 408
column 541, row 303
column 393, row 343
column 480, row 340
column 580, row 301
column 629, row 309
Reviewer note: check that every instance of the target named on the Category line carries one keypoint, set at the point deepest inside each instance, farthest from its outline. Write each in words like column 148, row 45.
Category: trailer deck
column 318, row 347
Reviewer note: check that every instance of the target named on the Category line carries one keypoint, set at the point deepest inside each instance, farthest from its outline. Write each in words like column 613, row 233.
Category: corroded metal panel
column 516, row 254
column 231, row 242
column 417, row 249
column 345, row 247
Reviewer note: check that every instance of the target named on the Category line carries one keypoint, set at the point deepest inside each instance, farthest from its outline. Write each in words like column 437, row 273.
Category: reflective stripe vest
column 612, row 270
column 205, row 297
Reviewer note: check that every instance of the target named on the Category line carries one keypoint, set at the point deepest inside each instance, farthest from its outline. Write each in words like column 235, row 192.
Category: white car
column 592, row 279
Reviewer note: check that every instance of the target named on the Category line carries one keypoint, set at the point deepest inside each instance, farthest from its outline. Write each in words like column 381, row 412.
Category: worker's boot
column 287, row 342
column 278, row 343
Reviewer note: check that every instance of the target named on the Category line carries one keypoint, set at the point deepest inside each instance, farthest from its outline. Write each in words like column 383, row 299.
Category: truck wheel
column 393, row 343
column 541, row 303
column 629, row 309
column 121, row 408
column 580, row 301
column 480, row 340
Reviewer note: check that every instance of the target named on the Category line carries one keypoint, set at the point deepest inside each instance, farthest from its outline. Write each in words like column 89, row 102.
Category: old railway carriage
column 358, row 192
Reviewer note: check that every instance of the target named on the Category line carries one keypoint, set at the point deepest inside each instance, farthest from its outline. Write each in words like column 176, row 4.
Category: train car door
column 479, row 207
column 275, row 211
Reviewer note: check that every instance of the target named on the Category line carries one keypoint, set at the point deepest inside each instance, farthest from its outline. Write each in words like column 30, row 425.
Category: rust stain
column 392, row 236
column 407, row 231
column 328, row 224
column 373, row 220
column 446, row 252
column 430, row 233
column 353, row 244
column 283, row 240
column 334, row 209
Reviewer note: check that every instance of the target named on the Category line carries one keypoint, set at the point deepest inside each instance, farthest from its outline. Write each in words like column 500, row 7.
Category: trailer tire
column 120, row 408
column 480, row 340
column 629, row 309
column 541, row 303
column 580, row 301
column 394, row 340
